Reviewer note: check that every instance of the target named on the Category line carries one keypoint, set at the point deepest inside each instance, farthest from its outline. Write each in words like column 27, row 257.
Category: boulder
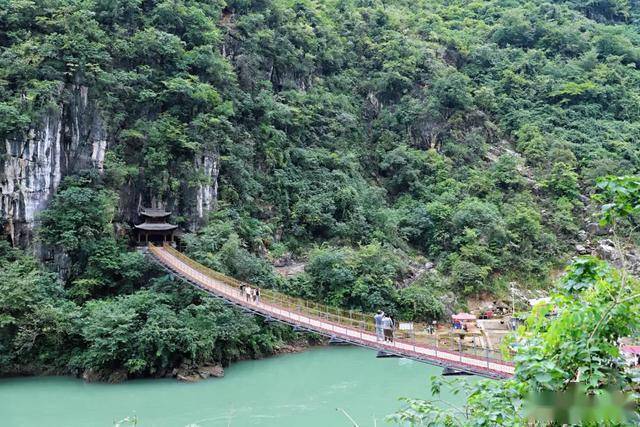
column 449, row 302
column 188, row 378
column 582, row 250
column 207, row 371
column 606, row 250
column 284, row 260
column 117, row 376
column 91, row 376
column 595, row 229
column 94, row 375
column 188, row 372
column 633, row 262
column 295, row 347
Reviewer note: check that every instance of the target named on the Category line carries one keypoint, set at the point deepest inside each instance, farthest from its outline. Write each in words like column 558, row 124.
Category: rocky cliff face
column 70, row 136
column 67, row 137
column 207, row 194
column 30, row 171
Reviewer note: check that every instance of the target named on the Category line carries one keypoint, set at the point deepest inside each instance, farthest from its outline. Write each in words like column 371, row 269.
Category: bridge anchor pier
column 337, row 341
column 447, row 371
column 384, row 354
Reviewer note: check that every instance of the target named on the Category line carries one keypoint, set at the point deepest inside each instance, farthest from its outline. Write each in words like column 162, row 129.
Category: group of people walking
column 384, row 326
column 250, row 294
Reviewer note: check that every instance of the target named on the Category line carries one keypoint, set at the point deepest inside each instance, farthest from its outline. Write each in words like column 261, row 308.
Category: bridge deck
column 270, row 307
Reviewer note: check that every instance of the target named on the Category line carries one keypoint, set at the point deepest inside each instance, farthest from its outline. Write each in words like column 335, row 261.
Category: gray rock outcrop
column 188, row 372
column 70, row 135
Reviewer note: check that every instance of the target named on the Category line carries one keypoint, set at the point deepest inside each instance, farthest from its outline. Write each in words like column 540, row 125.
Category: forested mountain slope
column 366, row 136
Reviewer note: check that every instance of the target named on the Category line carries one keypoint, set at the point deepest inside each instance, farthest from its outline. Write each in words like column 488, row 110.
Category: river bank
column 191, row 372
column 186, row 371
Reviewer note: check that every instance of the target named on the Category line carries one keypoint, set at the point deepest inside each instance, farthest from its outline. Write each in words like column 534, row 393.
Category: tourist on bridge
column 257, row 294
column 248, row 293
column 378, row 322
column 387, row 325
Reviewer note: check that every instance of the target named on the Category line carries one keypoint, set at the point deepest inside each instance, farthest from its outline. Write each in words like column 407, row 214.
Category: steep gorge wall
column 30, row 171
column 70, row 136
column 67, row 137
column 207, row 193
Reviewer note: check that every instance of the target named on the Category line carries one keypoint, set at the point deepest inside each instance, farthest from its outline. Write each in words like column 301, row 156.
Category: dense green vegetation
column 568, row 348
column 365, row 137
column 45, row 328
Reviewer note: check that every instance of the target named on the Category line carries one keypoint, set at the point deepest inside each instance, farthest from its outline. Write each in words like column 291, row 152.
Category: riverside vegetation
column 364, row 136
column 567, row 352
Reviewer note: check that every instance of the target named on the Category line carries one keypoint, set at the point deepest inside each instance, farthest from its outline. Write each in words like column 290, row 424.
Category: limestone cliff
column 72, row 135
column 66, row 137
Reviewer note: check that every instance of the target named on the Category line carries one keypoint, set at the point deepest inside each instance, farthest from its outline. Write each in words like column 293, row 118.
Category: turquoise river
column 303, row 389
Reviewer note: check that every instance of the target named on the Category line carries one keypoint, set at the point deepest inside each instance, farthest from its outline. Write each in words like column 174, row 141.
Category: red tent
column 463, row 317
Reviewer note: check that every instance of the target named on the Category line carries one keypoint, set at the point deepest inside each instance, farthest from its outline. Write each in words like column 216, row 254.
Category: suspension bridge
column 339, row 325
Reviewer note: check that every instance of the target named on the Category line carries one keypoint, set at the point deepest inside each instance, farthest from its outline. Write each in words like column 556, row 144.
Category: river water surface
column 301, row 389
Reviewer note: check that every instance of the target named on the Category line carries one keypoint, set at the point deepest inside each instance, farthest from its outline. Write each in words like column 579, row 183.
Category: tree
column 420, row 303
column 78, row 214
column 79, row 222
column 453, row 91
column 37, row 324
column 514, row 29
column 150, row 331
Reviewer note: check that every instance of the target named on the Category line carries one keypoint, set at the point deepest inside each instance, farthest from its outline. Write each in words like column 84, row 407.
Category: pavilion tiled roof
column 148, row 226
column 154, row 213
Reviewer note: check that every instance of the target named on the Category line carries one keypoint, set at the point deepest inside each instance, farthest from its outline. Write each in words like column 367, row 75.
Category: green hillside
column 410, row 154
